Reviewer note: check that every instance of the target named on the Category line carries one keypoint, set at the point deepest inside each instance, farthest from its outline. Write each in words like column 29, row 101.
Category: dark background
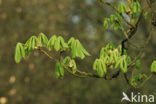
column 32, row 81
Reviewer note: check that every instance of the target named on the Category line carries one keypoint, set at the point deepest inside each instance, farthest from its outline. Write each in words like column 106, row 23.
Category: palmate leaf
column 31, row 43
column 77, row 50
column 62, row 42
column 122, row 7
column 19, row 52
column 59, row 70
column 51, row 42
column 57, row 45
column 100, row 66
column 42, row 40
column 100, row 69
column 71, row 40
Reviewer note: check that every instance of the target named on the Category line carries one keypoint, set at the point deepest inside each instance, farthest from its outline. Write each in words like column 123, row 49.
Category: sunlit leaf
column 19, row 52
column 153, row 66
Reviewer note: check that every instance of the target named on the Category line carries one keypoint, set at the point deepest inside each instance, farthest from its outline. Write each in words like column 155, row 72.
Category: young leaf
column 123, row 64
column 122, row 7
column 74, row 68
column 106, row 22
column 61, row 70
column 57, row 72
column 31, row 43
column 79, row 52
column 66, row 61
column 57, row 45
column 51, row 42
column 82, row 48
column 42, row 40
column 153, row 67
column 71, row 40
column 19, row 52
column 73, row 49
column 99, row 69
column 64, row 45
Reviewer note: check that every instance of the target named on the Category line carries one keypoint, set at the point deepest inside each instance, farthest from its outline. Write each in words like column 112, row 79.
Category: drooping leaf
column 99, row 69
column 31, row 43
column 73, row 49
column 77, row 50
column 57, row 45
column 42, row 40
column 59, row 70
column 63, row 43
column 106, row 22
column 122, row 7
column 71, row 40
column 123, row 64
column 51, row 42
column 19, row 52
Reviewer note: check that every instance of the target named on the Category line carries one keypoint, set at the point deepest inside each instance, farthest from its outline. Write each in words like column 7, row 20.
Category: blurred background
column 32, row 81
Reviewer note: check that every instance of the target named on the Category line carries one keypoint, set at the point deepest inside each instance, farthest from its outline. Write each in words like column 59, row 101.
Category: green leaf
column 31, row 43
column 59, row 70
column 66, row 61
column 64, row 45
column 138, row 79
column 71, row 40
column 42, row 40
column 122, row 7
column 19, row 52
column 74, row 68
column 73, row 49
column 57, row 45
column 79, row 52
column 106, row 22
column 138, row 64
column 84, row 50
column 153, row 67
column 51, row 42
column 123, row 64
column 100, row 70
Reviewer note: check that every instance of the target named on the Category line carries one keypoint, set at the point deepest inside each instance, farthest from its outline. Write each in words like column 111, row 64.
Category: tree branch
column 113, row 7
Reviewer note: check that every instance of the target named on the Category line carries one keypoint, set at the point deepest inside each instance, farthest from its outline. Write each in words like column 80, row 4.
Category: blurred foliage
column 32, row 81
